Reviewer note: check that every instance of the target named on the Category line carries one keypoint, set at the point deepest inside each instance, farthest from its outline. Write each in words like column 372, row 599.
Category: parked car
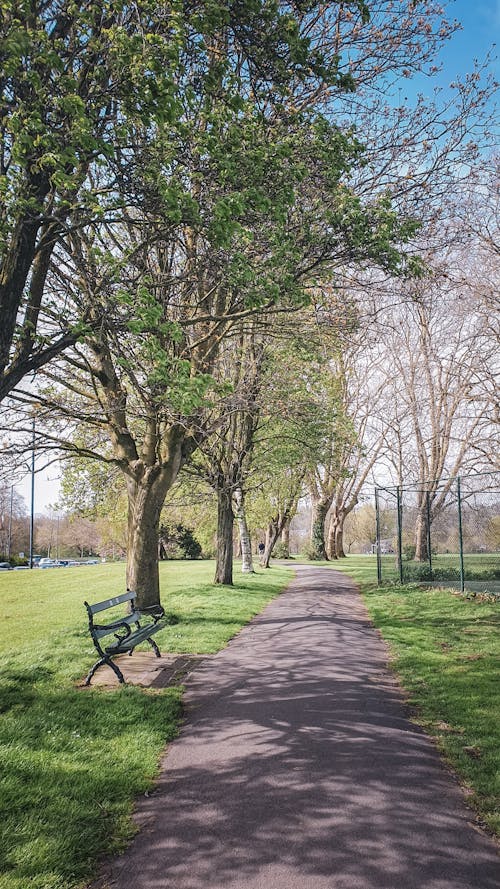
column 47, row 563
column 5, row 566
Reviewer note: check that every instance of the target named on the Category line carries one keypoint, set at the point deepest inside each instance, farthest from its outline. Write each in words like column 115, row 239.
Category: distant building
column 386, row 547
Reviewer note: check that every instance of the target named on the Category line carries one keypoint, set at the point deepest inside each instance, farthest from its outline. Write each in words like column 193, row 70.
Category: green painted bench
column 129, row 630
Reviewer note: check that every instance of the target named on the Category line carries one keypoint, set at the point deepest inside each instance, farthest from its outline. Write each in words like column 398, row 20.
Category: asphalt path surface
column 298, row 768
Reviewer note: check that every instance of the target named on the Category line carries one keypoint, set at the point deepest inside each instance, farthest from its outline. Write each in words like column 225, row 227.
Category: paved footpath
column 297, row 768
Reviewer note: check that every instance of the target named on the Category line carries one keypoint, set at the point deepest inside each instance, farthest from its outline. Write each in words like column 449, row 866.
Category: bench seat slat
column 101, row 630
column 134, row 639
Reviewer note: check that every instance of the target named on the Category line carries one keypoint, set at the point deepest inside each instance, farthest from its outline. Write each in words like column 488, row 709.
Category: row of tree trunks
column 279, row 526
column 327, row 541
column 146, row 499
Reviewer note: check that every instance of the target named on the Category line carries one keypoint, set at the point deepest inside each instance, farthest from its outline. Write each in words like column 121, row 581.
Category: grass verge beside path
column 446, row 651
column 72, row 760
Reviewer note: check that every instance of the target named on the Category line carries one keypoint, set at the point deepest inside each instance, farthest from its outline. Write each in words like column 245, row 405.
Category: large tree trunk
column 319, row 513
column 245, row 541
column 336, row 536
column 339, row 540
column 225, row 522
column 421, row 536
column 285, row 538
column 146, row 496
column 273, row 531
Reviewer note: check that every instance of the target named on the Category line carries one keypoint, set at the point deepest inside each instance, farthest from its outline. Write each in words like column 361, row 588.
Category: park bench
column 130, row 629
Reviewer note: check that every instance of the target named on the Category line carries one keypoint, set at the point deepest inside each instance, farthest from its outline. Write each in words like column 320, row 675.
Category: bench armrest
column 154, row 611
column 114, row 626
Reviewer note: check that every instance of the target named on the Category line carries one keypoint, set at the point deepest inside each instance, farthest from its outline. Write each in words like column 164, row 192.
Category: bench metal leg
column 109, row 662
column 154, row 646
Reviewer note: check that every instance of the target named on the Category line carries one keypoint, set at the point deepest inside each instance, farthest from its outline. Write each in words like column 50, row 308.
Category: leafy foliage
column 178, row 542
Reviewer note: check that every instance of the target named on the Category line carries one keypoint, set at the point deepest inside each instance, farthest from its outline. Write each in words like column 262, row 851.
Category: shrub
column 311, row 553
column 421, row 573
column 487, row 574
column 178, row 542
column 281, row 551
column 409, row 550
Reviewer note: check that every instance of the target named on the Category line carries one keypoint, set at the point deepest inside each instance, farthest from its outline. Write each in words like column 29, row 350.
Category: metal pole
column 400, row 533
column 32, row 515
column 460, row 535
column 428, row 509
column 379, row 555
column 9, row 543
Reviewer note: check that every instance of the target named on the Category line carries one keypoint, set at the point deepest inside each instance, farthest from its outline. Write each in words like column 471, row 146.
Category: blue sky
column 478, row 40
column 480, row 21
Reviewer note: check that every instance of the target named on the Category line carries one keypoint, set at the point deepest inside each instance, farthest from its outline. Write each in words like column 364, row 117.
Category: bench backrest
column 105, row 629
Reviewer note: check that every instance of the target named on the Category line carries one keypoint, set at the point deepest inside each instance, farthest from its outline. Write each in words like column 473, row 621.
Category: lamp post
column 32, row 513
column 9, row 541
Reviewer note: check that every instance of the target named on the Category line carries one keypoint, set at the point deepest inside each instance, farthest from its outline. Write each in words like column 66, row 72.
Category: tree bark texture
column 285, row 537
column 146, row 497
column 245, row 540
column 273, row 531
column 225, row 522
column 319, row 512
column 421, row 536
column 336, row 536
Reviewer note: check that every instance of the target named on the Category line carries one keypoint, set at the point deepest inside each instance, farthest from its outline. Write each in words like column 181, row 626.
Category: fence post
column 428, row 509
column 400, row 533
column 377, row 523
column 460, row 535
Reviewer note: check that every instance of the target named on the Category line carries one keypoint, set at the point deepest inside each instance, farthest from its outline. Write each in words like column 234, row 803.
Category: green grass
column 73, row 760
column 446, row 651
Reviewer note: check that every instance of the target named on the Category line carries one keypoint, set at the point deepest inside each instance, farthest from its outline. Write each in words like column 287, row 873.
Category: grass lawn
column 446, row 650
column 72, row 760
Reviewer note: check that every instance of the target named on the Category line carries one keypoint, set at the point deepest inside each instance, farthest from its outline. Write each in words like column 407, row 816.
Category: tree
column 492, row 536
column 363, row 394
column 290, row 430
column 235, row 205
column 275, row 504
column 360, row 527
column 192, row 503
column 337, row 435
column 437, row 346
column 76, row 80
column 13, row 530
column 223, row 458
column 178, row 542
column 81, row 533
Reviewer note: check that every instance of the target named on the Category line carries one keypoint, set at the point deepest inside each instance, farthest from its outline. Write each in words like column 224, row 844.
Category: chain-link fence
column 441, row 533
